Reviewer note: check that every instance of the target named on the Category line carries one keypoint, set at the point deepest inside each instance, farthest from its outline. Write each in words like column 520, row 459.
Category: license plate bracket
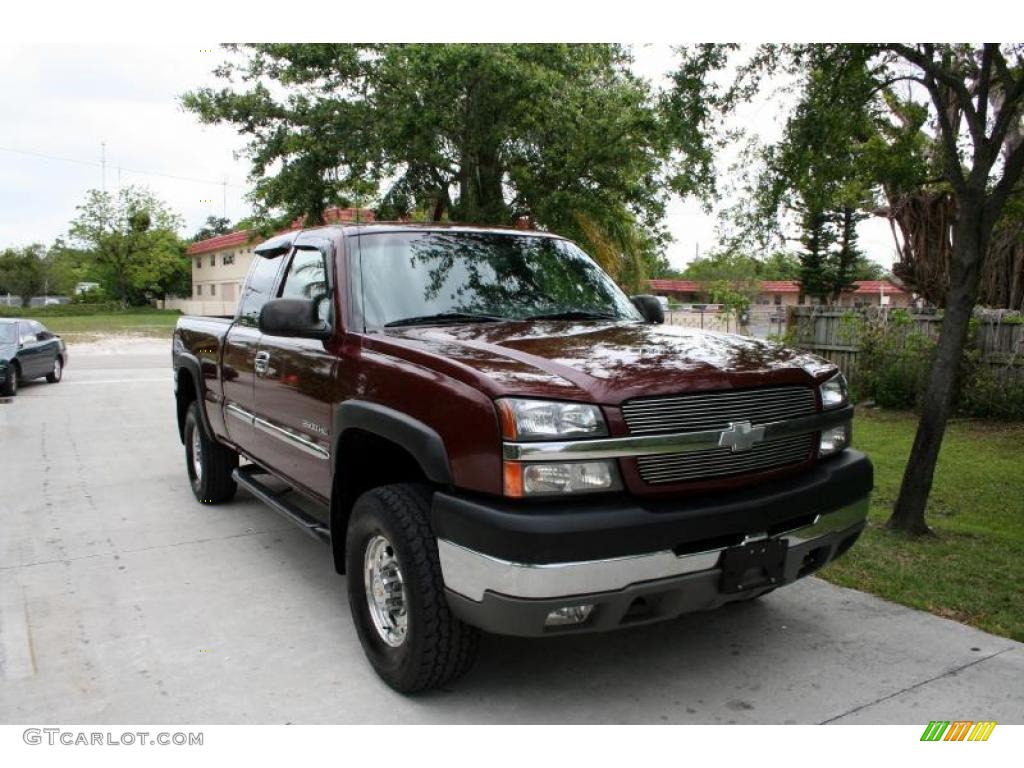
column 753, row 565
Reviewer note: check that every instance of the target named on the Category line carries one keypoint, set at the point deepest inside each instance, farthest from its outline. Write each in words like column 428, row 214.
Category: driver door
column 293, row 384
column 32, row 352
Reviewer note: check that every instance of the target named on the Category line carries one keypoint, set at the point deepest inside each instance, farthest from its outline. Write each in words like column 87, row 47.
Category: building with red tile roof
column 787, row 293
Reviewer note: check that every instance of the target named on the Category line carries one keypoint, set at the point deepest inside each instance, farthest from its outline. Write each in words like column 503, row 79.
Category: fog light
column 570, row 614
column 834, row 440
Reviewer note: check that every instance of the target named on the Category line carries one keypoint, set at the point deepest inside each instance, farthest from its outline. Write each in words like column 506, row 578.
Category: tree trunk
column 968, row 250
column 481, row 200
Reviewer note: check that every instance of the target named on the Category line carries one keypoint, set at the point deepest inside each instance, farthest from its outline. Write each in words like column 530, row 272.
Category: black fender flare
column 421, row 441
column 186, row 364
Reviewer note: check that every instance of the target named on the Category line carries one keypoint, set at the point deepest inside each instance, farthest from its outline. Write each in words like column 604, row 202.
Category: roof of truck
column 426, row 226
column 348, row 220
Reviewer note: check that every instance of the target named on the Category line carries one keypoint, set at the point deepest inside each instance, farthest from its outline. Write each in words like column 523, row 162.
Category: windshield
column 8, row 333
column 408, row 278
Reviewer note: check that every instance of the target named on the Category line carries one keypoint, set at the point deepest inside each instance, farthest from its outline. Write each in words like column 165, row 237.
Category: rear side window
column 258, row 288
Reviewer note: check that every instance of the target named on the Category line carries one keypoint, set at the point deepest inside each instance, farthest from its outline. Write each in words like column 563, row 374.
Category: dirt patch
column 116, row 344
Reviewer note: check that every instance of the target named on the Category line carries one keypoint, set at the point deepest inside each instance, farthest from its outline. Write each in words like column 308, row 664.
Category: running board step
column 273, row 499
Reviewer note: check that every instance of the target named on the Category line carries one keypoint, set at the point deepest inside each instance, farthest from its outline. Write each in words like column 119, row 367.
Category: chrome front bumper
column 471, row 575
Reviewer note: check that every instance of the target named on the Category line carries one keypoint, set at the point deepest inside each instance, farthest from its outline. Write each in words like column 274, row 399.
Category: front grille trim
column 716, row 410
column 721, row 462
column 686, row 413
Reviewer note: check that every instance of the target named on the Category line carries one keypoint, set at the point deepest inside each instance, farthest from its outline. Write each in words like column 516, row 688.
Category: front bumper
column 647, row 563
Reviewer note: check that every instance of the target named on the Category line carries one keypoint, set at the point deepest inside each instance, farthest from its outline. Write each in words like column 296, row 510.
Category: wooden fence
column 832, row 333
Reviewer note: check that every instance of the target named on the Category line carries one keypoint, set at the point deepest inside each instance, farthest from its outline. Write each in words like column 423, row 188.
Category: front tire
column 396, row 592
column 10, row 386
column 209, row 463
column 57, row 373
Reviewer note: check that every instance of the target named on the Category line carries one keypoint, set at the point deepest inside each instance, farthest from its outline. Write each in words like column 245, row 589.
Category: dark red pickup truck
column 490, row 435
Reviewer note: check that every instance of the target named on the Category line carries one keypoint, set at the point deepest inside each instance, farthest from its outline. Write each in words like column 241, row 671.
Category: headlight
column 833, row 392
column 834, row 439
column 547, row 420
column 533, row 420
column 552, row 478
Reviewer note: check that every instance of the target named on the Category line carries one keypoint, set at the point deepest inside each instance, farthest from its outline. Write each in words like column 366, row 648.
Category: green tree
column 968, row 101
column 22, row 272
column 563, row 134
column 213, row 226
column 66, row 266
column 732, row 264
column 848, row 257
column 133, row 239
column 816, row 239
column 734, row 296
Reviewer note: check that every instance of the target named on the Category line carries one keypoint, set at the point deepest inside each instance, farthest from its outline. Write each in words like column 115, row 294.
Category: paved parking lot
column 124, row 600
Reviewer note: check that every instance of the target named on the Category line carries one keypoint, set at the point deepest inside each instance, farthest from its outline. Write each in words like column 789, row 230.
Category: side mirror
column 649, row 307
column 293, row 317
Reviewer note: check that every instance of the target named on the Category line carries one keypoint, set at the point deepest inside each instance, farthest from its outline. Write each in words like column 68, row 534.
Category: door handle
column 262, row 362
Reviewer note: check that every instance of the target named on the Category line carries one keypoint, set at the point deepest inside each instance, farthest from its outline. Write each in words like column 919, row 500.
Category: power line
column 128, row 170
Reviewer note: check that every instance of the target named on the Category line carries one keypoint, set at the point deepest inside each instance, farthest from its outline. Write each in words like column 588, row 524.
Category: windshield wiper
column 574, row 314
column 446, row 317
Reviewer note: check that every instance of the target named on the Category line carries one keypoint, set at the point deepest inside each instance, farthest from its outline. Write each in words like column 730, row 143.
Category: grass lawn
column 972, row 569
column 77, row 329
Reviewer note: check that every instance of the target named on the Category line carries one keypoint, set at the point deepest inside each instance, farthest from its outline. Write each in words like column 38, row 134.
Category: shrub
column 82, row 310
column 990, row 390
column 92, row 296
column 894, row 360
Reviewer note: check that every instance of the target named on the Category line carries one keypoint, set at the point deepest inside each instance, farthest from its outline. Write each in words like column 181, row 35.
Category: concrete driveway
column 124, row 600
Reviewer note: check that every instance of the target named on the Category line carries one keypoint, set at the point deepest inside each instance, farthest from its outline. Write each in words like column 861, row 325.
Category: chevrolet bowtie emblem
column 740, row 436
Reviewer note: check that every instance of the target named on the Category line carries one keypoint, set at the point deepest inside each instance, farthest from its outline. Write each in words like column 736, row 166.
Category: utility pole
column 225, row 190
column 103, row 165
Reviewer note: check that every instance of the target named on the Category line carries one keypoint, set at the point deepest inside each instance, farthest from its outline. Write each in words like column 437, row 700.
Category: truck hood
column 609, row 362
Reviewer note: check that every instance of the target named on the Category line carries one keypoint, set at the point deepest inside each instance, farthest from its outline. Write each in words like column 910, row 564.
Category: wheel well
column 185, row 394
column 365, row 461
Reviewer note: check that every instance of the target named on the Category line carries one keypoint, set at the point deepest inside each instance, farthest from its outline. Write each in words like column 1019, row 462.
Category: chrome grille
column 721, row 462
column 715, row 410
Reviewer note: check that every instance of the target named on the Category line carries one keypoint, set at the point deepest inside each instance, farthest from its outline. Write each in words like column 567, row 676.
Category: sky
column 65, row 101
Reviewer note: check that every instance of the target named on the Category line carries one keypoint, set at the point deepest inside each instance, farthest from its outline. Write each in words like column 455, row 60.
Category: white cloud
column 65, row 100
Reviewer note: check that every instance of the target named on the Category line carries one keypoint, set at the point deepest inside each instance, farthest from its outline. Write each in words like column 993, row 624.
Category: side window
column 307, row 279
column 27, row 335
column 258, row 288
column 39, row 331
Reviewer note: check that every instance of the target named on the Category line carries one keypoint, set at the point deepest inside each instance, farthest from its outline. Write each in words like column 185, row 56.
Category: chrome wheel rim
column 197, row 454
column 385, row 591
column 56, row 368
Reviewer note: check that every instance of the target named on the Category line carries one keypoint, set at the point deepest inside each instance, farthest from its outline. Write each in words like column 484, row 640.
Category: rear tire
column 58, row 371
column 396, row 592
column 209, row 463
column 10, row 386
